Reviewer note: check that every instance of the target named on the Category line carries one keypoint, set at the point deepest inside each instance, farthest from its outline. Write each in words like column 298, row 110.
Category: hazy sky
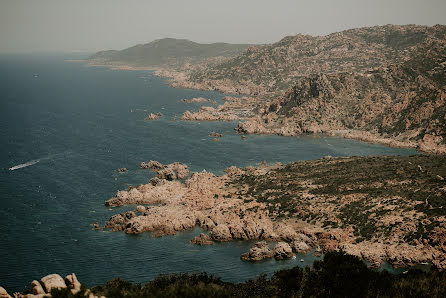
column 90, row 25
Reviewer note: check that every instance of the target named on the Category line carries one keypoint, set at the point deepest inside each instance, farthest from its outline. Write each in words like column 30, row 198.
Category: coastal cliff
column 405, row 103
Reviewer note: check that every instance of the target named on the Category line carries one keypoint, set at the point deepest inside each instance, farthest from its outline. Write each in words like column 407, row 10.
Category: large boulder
column 173, row 171
column 72, row 282
column 258, row 252
column 36, row 288
column 53, row 281
column 3, row 293
column 153, row 165
column 283, row 250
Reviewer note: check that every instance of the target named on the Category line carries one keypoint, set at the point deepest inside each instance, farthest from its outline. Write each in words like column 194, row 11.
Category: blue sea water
column 68, row 127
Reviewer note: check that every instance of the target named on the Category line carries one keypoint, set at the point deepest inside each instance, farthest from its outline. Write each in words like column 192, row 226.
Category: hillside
column 402, row 101
column 166, row 52
column 380, row 84
column 276, row 67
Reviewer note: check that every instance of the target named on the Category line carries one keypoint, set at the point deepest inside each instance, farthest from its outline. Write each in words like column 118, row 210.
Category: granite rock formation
column 377, row 208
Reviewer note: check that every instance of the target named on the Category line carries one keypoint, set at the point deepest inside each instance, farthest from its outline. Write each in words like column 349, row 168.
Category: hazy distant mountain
column 166, row 52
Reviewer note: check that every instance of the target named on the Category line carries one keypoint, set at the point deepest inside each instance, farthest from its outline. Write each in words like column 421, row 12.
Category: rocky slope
column 404, row 102
column 378, row 208
column 383, row 84
column 276, row 67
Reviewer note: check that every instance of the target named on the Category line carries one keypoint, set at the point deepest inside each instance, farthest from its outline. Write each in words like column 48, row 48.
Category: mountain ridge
column 166, row 52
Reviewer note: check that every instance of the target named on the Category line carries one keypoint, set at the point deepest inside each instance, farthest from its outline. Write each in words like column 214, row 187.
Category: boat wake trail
column 24, row 165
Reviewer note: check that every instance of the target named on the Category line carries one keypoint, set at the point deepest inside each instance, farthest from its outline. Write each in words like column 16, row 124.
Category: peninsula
column 381, row 209
column 383, row 84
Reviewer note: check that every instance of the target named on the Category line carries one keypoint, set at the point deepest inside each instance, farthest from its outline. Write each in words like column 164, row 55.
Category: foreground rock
column 258, row 252
column 48, row 283
column 173, row 171
column 4, row 293
column 169, row 172
column 153, row 165
column 261, row 251
column 283, row 250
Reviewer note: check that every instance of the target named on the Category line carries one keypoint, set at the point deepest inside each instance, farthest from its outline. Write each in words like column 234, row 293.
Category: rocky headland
column 378, row 208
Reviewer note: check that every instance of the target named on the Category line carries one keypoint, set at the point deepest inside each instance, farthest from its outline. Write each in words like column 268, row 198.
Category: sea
column 64, row 130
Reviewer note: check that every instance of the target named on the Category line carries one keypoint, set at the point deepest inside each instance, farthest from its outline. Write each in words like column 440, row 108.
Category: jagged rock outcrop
column 202, row 239
column 173, row 171
column 52, row 281
column 152, row 116
column 329, row 204
column 258, row 252
column 283, row 250
column 153, row 165
column 300, row 247
column 261, row 250
column 221, row 233
column 169, row 172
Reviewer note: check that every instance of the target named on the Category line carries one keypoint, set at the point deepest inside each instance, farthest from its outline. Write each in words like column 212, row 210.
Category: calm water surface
column 68, row 127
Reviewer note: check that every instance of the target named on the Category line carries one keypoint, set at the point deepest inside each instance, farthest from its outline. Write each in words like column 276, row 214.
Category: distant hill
column 167, row 52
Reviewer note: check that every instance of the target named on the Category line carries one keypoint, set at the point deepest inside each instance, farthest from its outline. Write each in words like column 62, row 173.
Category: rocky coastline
column 228, row 208
column 382, row 84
